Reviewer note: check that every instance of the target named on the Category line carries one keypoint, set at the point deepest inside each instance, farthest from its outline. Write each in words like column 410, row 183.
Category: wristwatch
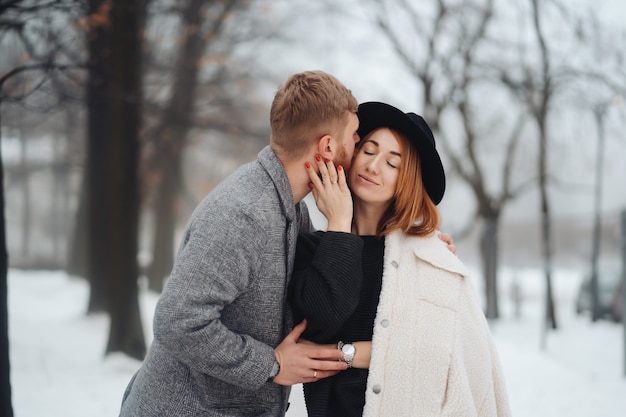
column 348, row 351
column 275, row 371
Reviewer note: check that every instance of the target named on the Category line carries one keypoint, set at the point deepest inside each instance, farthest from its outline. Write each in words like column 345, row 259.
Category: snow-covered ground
column 59, row 368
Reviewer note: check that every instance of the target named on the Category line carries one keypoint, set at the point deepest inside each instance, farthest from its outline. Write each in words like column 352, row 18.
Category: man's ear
column 325, row 147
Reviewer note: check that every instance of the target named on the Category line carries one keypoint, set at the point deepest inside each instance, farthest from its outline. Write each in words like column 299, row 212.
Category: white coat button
column 394, row 264
column 384, row 323
column 376, row 389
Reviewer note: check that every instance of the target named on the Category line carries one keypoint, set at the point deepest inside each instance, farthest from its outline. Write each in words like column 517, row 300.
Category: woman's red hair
column 411, row 210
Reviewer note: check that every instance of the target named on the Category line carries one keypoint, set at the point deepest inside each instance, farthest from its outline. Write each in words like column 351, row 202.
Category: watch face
column 348, row 349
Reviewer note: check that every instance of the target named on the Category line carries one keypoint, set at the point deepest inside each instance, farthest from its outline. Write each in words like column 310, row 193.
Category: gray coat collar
column 275, row 169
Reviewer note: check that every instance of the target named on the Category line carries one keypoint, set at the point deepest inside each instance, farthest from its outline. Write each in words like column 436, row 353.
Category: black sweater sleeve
column 326, row 282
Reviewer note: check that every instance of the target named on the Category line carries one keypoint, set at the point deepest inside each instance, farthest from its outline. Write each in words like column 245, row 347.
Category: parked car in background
column 609, row 301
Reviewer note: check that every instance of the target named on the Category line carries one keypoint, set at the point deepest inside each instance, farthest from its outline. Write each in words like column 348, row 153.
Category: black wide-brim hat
column 374, row 115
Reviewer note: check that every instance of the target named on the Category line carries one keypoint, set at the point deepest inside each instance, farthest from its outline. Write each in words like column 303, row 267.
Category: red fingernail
column 327, row 160
column 339, row 168
column 318, row 158
column 308, row 165
column 311, row 185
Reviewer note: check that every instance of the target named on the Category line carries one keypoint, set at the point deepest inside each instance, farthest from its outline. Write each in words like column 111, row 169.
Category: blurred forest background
column 118, row 116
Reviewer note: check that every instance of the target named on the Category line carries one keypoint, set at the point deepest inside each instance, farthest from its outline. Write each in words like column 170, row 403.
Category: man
column 222, row 342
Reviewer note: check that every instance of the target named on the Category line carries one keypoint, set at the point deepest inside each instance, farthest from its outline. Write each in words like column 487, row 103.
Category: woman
column 380, row 273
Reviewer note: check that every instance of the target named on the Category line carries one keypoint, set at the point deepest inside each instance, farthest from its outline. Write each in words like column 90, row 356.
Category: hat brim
column 373, row 115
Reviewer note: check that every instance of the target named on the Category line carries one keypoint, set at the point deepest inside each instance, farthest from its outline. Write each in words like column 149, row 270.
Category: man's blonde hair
column 306, row 107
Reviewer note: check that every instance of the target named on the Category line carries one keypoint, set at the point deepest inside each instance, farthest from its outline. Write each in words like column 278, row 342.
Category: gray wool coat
column 223, row 310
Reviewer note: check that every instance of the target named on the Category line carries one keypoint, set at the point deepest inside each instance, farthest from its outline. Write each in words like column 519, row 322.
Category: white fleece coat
column 432, row 351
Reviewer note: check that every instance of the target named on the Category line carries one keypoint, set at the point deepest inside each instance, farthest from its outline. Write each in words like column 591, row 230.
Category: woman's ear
column 325, row 147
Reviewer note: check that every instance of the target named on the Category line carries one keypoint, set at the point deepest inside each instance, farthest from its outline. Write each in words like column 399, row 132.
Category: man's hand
column 448, row 239
column 305, row 362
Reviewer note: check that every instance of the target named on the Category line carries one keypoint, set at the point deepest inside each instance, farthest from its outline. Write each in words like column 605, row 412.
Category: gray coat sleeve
column 216, row 261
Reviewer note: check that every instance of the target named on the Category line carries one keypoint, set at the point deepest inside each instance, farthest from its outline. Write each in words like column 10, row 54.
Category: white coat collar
column 433, row 250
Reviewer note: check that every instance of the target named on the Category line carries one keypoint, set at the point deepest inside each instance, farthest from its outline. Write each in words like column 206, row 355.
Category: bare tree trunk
column 541, row 113
column 77, row 259
column 126, row 332
column 167, row 200
column 55, row 210
column 26, row 217
column 76, row 262
column 6, row 407
column 546, row 228
column 58, row 196
column 97, row 168
column 489, row 249
column 173, row 138
column 595, row 247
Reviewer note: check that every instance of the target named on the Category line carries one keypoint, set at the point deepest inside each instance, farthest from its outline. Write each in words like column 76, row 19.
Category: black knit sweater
column 336, row 286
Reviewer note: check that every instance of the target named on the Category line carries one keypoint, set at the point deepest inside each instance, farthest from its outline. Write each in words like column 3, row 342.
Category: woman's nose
column 372, row 166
